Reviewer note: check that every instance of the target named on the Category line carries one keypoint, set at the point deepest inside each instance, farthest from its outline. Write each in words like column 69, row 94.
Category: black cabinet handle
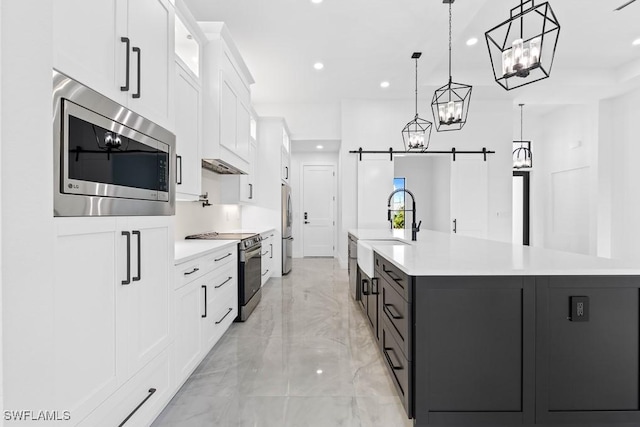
column 287, row 170
column 126, row 41
column 223, row 283
column 128, row 236
column 192, row 271
column 364, row 288
column 392, row 274
column 375, row 281
column 263, row 254
column 139, row 52
column 137, row 233
column 397, row 367
column 220, row 259
column 265, row 273
column 250, row 191
column 151, row 391
column 455, row 225
column 220, row 321
column 179, row 180
column 205, row 301
column 388, row 307
column 271, row 251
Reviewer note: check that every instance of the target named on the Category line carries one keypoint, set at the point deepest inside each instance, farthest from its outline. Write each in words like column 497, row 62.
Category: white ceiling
column 363, row 42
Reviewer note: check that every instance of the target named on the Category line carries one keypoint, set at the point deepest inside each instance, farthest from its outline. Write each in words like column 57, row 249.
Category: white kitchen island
column 477, row 332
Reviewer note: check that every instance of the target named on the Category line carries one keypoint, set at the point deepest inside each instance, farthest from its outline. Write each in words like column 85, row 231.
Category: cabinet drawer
column 396, row 277
column 222, row 284
column 398, row 366
column 189, row 271
column 149, row 391
column 397, row 312
column 223, row 316
column 221, row 258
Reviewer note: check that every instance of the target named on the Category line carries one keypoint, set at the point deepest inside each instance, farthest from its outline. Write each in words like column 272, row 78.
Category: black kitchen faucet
column 414, row 228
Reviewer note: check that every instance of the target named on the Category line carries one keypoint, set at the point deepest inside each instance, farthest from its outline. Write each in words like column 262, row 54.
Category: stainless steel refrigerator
column 287, row 223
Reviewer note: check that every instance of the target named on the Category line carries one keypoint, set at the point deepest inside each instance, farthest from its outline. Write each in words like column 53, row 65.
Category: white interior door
column 318, row 210
column 469, row 196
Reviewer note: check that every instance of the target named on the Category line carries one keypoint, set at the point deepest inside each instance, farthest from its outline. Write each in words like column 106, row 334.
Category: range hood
column 221, row 167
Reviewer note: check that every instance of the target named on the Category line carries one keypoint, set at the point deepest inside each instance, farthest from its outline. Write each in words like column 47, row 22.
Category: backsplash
column 192, row 218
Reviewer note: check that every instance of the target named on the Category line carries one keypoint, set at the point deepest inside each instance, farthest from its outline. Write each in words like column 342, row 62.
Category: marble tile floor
column 305, row 357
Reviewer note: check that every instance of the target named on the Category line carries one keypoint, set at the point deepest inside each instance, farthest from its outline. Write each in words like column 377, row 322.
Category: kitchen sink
column 365, row 253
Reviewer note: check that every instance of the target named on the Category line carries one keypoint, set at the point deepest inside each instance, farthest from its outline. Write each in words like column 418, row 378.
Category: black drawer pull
column 365, row 290
column 263, row 254
column 397, row 367
column 205, row 301
column 388, row 308
column 125, row 88
column 222, row 284
column 374, row 281
column 265, row 273
column 220, row 259
column 392, row 274
column 128, row 236
column 151, row 391
column 192, row 271
column 139, row 52
column 139, row 276
column 220, row 321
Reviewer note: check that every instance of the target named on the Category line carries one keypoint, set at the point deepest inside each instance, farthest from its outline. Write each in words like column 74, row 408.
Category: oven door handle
column 253, row 253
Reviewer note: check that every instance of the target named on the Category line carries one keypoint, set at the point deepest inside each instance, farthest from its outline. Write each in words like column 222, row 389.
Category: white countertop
column 444, row 254
column 250, row 230
column 186, row 250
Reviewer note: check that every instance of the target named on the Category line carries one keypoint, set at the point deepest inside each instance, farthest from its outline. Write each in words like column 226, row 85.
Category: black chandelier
column 522, row 154
column 450, row 104
column 523, row 47
column 417, row 133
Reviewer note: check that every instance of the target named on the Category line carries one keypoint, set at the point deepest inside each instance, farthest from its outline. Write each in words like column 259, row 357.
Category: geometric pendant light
column 417, row 133
column 522, row 157
column 450, row 103
column 523, row 47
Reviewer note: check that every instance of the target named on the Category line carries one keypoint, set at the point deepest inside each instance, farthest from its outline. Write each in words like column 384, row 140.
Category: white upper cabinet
column 188, row 105
column 226, row 99
column 120, row 48
column 188, row 132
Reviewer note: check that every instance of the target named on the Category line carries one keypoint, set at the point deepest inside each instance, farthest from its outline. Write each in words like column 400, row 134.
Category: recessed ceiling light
column 384, row 85
column 318, row 65
column 319, row 371
column 472, row 41
column 319, row 147
column 636, row 42
column 316, row 1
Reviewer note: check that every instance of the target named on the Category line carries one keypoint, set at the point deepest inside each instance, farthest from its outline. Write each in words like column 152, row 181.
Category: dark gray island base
column 510, row 350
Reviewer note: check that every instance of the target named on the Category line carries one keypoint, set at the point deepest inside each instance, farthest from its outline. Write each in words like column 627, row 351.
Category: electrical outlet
column 579, row 311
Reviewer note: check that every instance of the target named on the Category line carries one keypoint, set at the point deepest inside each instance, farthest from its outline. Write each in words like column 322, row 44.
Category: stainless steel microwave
column 108, row 160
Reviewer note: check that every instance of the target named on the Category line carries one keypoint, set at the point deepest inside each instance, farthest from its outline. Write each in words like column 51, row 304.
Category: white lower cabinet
column 268, row 266
column 206, row 304
column 112, row 308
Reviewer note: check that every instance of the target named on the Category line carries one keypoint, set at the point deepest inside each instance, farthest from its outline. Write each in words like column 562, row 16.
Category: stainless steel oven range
column 249, row 268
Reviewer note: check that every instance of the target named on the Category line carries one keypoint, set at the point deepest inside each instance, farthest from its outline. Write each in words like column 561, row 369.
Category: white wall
column 619, row 152
column 319, row 121
column 193, row 218
column 298, row 160
column 27, row 204
column 564, row 179
column 377, row 125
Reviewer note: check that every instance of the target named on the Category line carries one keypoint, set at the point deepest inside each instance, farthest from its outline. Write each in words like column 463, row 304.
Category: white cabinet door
column 248, row 182
column 228, row 114
column 87, row 44
column 285, row 166
column 87, row 324
column 187, row 136
column 469, row 196
column 190, row 310
column 151, row 30
column 147, row 296
column 243, row 130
